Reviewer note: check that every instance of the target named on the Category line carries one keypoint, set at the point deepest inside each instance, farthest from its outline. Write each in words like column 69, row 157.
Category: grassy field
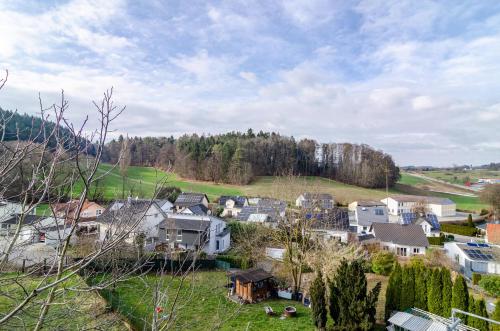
column 87, row 309
column 141, row 181
column 207, row 305
column 461, row 176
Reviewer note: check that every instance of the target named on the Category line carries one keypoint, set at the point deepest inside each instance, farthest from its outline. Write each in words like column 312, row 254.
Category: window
column 98, row 212
column 5, row 226
column 179, row 235
column 401, row 251
column 379, row 211
column 217, row 245
column 416, row 250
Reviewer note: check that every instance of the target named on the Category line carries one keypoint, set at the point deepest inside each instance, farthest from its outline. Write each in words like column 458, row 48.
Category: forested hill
column 238, row 157
column 26, row 127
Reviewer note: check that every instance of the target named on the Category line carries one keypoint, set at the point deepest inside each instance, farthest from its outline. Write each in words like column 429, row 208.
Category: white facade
column 338, row 235
column 231, row 209
column 468, row 266
column 397, row 207
column 427, row 227
column 402, row 250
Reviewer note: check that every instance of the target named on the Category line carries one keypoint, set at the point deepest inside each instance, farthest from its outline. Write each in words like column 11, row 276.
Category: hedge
column 235, row 261
column 439, row 241
column 459, row 229
column 491, row 284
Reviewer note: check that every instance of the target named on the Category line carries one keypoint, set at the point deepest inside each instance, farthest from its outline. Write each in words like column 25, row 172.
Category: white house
column 429, row 222
column 365, row 203
column 403, row 240
column 132, row 217
column 473, row 257
column 195, row 232
column 399, row 204
column 315, row 200
column 333, row 225
column 187, row 199
column 8, row 208
column 232, row 205
column 365, row 216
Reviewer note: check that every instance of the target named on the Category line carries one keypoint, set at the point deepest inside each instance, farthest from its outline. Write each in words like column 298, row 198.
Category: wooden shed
column 253, row 284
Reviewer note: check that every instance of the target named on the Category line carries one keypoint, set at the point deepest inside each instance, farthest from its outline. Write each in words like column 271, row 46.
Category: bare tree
column 491, row 195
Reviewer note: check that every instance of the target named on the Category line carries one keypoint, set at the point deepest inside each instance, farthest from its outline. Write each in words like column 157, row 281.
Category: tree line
column 237, row 158
column 432, row 290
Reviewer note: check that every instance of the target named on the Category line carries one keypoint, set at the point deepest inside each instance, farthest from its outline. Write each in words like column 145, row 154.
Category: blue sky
column 417, row 79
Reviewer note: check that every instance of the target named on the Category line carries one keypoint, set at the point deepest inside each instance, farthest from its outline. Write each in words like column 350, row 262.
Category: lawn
column 79, row 310
column 408, row 179
column 203, row 305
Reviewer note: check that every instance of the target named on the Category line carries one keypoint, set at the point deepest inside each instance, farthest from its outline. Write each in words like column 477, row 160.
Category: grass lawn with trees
column 203, row 305
column 88, row 310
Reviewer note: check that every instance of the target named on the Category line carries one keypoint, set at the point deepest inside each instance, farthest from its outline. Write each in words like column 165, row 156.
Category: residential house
column 401, row 239
column 474, row 258
column 266, row 211
column 320, row 201
column 252, row 285
column 187, row 199
column 9, row 208
column 398, row 204
column 68, row 210
column 493, row 233
column 365, row 215
column 198, row 209
column 365, row 203
column 332, row 225
column 429, row 222
column 131, row 218
column 195, row 232
column 232, row 205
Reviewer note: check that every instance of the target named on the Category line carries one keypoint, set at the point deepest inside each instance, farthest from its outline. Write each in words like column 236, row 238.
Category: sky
column 419, row 80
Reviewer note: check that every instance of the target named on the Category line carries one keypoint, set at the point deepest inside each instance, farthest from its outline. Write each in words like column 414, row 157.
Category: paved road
column 462, row 187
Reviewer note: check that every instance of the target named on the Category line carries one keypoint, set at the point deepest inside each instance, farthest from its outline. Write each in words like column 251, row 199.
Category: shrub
column 235, row 261
column 459, row 229
column 439, row 241
column 484, row 212
column 491, row 284
column 382, row 262
column 476, row 278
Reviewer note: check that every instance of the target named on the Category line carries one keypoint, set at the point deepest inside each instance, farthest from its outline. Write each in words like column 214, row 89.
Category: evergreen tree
column 407, row 288
column 480, row 309
column 421, row 288
column 352, row 307
column 460, row 297
column 496, row 316
column 472, row 321
column 447, row 292
column 469, row 221
column 393, row 291
column 318, row 301
column 435, row 296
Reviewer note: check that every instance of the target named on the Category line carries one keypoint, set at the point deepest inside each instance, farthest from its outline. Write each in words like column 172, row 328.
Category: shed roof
column 252, row 275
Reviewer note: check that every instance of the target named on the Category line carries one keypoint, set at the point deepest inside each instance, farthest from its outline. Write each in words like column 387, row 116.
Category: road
column 462, row 187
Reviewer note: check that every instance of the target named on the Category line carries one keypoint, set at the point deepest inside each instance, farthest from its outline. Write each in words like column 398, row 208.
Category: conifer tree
column 472, row 321
column 460, row 297
column 496, row 316
column 480, row 309
column 435, row 296
column 407, row 288
column 352, row 307
column 318, row 301
column 393, row 291
column 447, row 292
column 421, row 288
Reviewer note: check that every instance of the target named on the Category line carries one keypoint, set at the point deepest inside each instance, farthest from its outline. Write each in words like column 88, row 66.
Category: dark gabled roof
column 130, row 211
column 317, row 196
column 277, row 205
column 239, row 200
column 252, row 275
column 408, row 235
column 199, row 224
column 334, row 219
column 198, row 209
column 28, row 219
column 189, row 199
column 431, row 219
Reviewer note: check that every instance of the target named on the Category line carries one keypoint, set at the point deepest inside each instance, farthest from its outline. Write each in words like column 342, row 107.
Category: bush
column 439, row 241
column 459, row 229
column 484, row 212
column 476, row 278
column 382, row 262
column 491, row 284
column 235, row 261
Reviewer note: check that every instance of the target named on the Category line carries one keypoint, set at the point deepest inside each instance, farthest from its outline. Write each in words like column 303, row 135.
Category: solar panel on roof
column 483, row 245
column 472, row 244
